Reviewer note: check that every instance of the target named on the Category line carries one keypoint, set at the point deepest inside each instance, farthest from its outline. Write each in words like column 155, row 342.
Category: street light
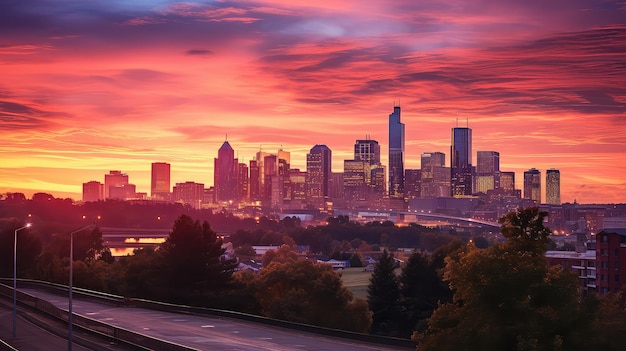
column 69, row 318
column 15, row 277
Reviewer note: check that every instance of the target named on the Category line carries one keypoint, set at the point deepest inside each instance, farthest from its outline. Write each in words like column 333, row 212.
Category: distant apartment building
column 123, row 192
column 189, row 193
column 93, row 191
column 611, row 260
column 553, row 187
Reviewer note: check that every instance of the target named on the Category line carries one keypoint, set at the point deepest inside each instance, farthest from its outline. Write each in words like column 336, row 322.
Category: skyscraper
column 553, row 187
column 532, row 185
column 461, row 162
column 160, row 184
column 507, row 181
column 225, row 174
column 367, row 150
column 396, row 155
column 487, row 171
column 319, row 168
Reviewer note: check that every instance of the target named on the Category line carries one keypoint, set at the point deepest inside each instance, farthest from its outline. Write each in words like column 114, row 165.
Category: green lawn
column 357, row 280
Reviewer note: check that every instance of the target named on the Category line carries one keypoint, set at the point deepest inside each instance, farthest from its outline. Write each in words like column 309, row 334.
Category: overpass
column 431, row 216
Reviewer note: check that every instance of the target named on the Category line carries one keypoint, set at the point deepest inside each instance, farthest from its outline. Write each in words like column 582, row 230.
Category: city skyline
column 99, row 86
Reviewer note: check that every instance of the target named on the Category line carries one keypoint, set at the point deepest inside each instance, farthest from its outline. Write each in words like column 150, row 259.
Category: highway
column 205, row 332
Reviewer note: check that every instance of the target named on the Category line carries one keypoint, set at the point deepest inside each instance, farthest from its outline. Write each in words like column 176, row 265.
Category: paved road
column 31, row 337
column 207, row 333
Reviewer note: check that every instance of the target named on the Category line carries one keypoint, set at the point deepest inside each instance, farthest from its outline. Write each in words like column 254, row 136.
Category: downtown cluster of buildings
column 268, row 181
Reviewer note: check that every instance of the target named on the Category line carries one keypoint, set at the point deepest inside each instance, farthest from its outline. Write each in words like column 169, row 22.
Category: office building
column 319, row 170
column 461, row 162
column 254, row 181
column 553, row 187
column 412, row 183
column 225, row 174
column 93, row 191
column 507, row 181
column 396, row 155
column 160, row 181
column 367, row 150
column 189, row 193
column 487, row 175
column 243, row 182
column 435, row 176
column 113, row 179
column 532, row 185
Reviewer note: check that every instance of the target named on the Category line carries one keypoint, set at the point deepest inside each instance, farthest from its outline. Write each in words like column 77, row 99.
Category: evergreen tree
column 192, row 257
column 419, row 292
column 383, row 296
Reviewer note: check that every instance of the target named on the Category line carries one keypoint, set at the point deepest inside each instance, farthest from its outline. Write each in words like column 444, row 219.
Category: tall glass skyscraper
column 553, row 187
column 487, row 175
column 461, row 162
column 319, row 168
column 396, row 155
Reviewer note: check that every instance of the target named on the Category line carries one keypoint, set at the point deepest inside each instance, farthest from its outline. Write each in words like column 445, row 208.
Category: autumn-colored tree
column 312, row 293
column 506, row 298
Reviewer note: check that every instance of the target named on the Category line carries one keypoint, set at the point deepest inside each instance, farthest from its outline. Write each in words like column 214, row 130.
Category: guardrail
column 90, row 325
column 117, row 300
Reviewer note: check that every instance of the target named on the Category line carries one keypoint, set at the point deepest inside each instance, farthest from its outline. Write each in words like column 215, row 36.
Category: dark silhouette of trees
column 29, row 247
column 383, row 297
column 192, row 260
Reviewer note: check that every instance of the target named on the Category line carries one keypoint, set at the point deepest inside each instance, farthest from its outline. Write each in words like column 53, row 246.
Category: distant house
column 337, row 264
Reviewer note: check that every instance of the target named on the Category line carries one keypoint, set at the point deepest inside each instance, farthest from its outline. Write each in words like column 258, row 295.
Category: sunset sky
column 92, row 86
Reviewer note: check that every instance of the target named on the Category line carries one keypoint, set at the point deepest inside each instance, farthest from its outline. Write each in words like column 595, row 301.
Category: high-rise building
column 435, row 176
column 553, row 187
column 355, row 185
column 532, row 185
column 507, row 181
column 396, row 155
column 297, row 184
column 412, row 183
column 487, row 171
column 114, row 179
column 270, row 170
column 225, row 174
column 319, row 169
column 189, row 193
column 160, row 184
column 254, row 181
column 367, row 150
column 461, row 162
column 93, row 191
column 243, row 182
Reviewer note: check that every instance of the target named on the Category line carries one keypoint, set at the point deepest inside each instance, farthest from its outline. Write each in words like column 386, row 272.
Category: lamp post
column 15, row 277
column 69, row 316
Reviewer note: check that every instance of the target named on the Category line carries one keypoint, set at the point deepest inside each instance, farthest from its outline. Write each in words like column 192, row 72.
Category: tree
column 193, row 261
column 312, row 293
column 383, row 297
column 419, row 292
column 506, row 298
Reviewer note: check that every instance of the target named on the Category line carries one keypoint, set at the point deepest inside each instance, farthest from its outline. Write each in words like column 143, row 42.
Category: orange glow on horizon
column 164, row 81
